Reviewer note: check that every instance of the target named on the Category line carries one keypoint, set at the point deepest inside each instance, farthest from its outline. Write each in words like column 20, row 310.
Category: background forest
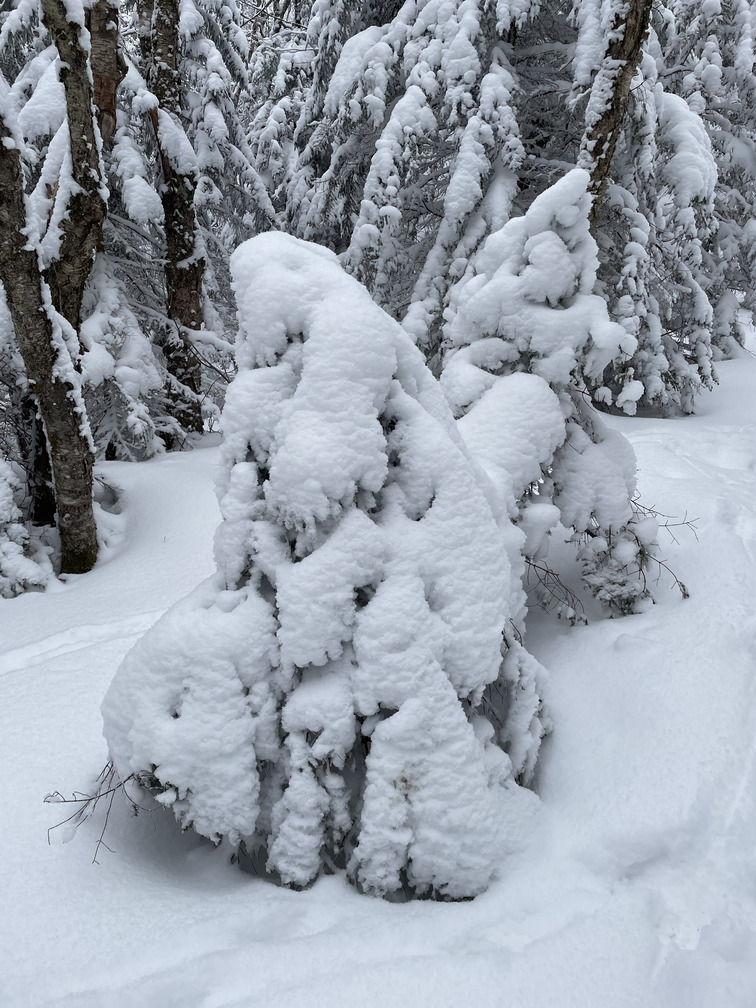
column 143, row 143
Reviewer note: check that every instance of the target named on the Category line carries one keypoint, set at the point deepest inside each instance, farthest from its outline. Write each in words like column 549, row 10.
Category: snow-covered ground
column 637, row 888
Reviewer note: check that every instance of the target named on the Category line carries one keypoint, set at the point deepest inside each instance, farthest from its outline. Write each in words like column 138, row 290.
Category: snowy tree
column 608, row 53
column 183, row 186
column 525, row 304
column 22, row 567
column 335, row 694
column 421, row 128
column 179, row 176
column 413, row 157
column 656, row 274
column 708, row 59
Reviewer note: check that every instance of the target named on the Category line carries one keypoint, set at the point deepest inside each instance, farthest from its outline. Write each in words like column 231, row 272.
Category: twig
column 554, row 594
column 88, row 804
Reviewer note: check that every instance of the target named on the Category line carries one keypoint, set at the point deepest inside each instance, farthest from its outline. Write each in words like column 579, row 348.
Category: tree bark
column 83, row 223
column 185, row 263
column 619, row 65
column 36, row 460
column 108, row 64
column 46, row 362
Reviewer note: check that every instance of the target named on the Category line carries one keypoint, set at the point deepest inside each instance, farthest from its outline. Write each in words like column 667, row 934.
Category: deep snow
column 637, row 887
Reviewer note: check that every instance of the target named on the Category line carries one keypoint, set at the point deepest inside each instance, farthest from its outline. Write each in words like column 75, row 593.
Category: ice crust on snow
column 362, row 594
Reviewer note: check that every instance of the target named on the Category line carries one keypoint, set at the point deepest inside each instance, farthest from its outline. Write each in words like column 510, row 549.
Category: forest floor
column 637, row 887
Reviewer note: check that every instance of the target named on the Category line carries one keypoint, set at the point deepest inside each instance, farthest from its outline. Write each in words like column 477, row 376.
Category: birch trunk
column 108, row 64
column 82, row 225
column 616, row 73
column 47, row 363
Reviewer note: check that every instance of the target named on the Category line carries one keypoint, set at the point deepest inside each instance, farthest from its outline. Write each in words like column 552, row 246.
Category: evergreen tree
column 22, row 566
column 415, row 154
column 348, row 651
column 708, row 59
column 654, row 273
column 525, row 304
column 149, row 380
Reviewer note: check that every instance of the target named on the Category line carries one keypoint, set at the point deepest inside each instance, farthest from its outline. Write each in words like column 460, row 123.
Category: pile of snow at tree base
column 634, row 883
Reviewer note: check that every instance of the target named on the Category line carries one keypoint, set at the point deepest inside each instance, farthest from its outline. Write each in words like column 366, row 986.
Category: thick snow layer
column 635, row 889
column 43, row 113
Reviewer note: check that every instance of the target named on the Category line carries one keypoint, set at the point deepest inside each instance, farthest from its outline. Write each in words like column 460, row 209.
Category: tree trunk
column 618, row 68
column 47, row 365
column 36, row 458
column 185, row 263
column 108, row 64
column 83, row 223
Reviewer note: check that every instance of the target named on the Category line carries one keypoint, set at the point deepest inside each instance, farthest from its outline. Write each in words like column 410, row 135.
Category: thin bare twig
column 87, row 804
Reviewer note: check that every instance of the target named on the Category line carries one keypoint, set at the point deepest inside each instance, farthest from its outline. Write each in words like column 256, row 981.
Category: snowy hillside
column 637, row 886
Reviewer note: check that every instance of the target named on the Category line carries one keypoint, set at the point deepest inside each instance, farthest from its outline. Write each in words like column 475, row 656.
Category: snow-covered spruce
column 657, row 274
column 332, row 694
column 525, row 304
column 408, row 157
column 21, row 569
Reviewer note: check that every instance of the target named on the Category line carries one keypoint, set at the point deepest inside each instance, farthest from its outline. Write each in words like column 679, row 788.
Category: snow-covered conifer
column 608, row 51
column 333, row 694
column 708, row 58
column 656, row 272
column 184, row 191
column 122, row 378
column 525, row 304
column 415, row 155
column 21, row 567
column 280, row 81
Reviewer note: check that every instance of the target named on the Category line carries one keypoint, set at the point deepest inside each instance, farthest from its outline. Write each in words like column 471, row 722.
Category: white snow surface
column 635, row 889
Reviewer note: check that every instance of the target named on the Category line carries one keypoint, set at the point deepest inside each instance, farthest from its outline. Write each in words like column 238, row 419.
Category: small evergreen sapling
column 335, row 695
column 525, row 304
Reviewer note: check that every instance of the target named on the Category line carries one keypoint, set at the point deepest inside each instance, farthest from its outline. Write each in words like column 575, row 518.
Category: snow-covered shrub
column 335, row 694
column 21, row 568
column 525, row 304
column 121, row 375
